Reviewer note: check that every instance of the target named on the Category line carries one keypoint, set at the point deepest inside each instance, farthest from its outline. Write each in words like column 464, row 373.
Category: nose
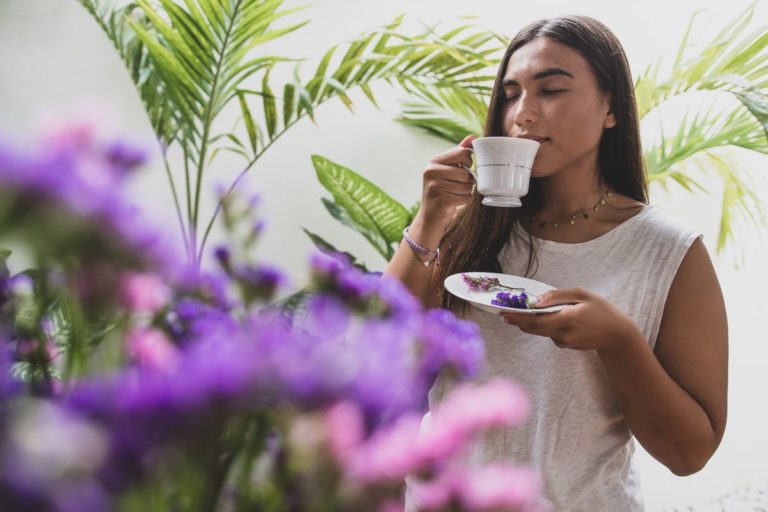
column 525, row 111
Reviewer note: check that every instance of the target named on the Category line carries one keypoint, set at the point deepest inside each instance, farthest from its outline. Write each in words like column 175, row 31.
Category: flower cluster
column 150, row 382
column 509, row 300
column 70, row 191
column 485, row 283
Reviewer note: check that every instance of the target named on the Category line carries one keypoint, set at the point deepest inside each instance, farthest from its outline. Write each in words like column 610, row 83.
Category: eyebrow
column 544, row 73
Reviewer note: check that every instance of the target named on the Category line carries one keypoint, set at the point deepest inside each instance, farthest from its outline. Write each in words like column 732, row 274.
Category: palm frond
column 734, row 61
column 703, row 131
column 164, row 118
column 448, row 113
column 454, row 60
column 451, row 62
column 739, row 200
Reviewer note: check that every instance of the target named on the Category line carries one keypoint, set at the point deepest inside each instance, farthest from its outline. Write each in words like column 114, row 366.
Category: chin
column 538, row 172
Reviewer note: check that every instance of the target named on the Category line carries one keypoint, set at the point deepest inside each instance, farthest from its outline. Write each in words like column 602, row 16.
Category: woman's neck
column 562, row 196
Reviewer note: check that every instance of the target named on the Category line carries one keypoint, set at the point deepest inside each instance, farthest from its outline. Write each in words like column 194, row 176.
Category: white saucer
column 482, row 300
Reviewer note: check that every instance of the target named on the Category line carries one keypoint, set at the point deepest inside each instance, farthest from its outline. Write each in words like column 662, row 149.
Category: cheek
column 508, row 121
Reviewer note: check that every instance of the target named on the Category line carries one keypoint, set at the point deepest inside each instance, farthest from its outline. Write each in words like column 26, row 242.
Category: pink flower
column 151, row 348
column 499, row 487
column 438, row 492
column 389, row 454
column 496, row 487
column 31, row 347
column 470, row 410
column 392, row 506
column 143, row 293
column 345, row 428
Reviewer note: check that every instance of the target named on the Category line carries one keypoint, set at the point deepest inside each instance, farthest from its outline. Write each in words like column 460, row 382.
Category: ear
column 610, row 119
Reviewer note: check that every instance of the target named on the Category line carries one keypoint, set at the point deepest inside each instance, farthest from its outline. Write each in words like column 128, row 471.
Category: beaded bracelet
column 423, row 251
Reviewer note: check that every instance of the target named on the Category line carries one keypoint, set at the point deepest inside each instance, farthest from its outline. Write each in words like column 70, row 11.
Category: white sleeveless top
column 576, row 436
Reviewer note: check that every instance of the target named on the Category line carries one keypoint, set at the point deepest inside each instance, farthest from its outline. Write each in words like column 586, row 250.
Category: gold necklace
column 571, row 219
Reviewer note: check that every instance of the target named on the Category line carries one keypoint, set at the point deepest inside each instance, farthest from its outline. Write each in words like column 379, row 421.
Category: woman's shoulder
column 657, row 222
column 652, row 220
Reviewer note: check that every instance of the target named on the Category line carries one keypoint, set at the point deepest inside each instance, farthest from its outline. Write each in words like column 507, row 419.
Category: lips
column 529, row 136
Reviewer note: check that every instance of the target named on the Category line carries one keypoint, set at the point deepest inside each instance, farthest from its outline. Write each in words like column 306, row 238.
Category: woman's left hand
column 589, row 322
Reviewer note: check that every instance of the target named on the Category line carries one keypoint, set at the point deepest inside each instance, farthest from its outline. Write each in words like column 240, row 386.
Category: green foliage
column 190, row 59
column 363, row 206
column 735, row 64
column 450, row 114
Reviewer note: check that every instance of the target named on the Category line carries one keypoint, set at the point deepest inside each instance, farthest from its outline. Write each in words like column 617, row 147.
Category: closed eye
column 552, row 91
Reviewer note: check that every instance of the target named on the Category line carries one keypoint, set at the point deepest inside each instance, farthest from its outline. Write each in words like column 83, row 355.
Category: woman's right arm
column 447, row 185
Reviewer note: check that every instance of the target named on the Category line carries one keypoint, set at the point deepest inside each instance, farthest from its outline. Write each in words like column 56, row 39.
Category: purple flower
column 401, row 303
column 192, row 319
column 326, row 265
column 258, row 282
column 72, row 193
column 508, row 300
column 224, row 257
column 367, row 293
column 9, row 386
column 207, row 287
column 325, row 316
column 450, row 342
column 124, row 158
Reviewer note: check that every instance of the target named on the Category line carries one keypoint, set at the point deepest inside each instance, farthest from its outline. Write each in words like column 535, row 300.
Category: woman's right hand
column 447, row 185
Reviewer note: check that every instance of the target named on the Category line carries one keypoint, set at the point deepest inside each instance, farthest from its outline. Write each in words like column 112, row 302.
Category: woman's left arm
column 674, row 398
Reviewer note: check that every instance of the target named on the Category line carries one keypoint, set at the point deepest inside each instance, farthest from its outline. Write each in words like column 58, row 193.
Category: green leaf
column 177, row 46
column 756, row 102
column 378, row 217
column 369, row 94
column 250, row 126
column 270, row 106
column 319, row 79
column 289, row 98
column 177, row 76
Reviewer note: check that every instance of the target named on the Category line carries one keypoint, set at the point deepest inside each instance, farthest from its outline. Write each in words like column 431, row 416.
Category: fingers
column 547, row 325
column 435, row 171
column 448, row 184
column 530, row 324
column 457, row 156
column 438, row 188
column 467, row 141
column 562, row 296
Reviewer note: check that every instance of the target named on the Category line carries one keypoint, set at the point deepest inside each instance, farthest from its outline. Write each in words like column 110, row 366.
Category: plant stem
column 177, row 206
column 208, row 120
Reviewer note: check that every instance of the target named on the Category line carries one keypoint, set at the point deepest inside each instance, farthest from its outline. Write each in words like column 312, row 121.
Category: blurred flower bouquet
column 131, row 382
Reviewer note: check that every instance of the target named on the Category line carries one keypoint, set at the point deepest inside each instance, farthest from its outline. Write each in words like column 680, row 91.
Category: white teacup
column 503, row 169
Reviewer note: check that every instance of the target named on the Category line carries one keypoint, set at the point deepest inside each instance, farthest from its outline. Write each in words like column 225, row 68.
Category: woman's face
column 552, row 96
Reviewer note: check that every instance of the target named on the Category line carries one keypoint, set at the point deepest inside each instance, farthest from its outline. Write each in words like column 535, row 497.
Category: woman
column 641, row 348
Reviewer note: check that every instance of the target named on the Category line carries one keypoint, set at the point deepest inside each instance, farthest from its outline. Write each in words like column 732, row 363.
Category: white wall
column 52, row 54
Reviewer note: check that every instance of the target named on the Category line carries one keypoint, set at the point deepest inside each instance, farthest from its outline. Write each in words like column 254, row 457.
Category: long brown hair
column 479, row 233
